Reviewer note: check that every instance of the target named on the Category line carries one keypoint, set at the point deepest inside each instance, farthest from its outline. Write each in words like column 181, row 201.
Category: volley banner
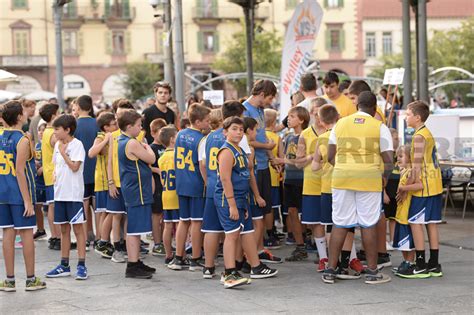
column 298, row 49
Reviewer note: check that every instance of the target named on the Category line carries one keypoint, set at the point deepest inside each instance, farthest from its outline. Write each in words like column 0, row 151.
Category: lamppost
column 57, row 10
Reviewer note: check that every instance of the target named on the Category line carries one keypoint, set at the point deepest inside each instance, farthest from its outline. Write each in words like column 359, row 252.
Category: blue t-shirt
column 86, row 132
column 39, row 179
column 214, row 142
column 257, row 113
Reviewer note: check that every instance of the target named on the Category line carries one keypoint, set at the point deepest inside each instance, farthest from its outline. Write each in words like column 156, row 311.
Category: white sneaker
column 118, row 257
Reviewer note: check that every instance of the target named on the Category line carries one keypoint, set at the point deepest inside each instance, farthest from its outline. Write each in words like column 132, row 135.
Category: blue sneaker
column 81, row 273
column 59, row 271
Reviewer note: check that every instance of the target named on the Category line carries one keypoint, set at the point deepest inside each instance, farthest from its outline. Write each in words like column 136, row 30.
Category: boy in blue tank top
column 190, row 187
column 17, row 196
column 40, row 187
column 136, row 180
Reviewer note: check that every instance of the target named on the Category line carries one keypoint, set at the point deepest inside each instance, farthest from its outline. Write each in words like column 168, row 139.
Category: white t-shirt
column 386, row 142
column 69, row 185
column 244, row 144
column 306, row 103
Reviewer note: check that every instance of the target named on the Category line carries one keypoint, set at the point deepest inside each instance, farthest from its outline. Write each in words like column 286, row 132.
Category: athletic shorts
column 40, row 196
column 157, row 206
column 49, row 190
column 69, row 212
column 243, row 224
column 11, row 216
column 351, row 208
column 116, row 205
column 264, row 185
column 425, row 210
column 390, row 209
column 191, row 208
column 311, row 210
column 89, row 191
column 101, row 201
column 256, row 212
column 403, row 238
column 326, row 209
column 171, row 216
column 210, row 219
column 276, row 200
column 139, row 220
column 293, row 196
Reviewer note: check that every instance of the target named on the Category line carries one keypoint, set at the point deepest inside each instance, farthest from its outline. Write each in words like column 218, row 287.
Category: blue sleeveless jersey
column 39, row 179
column 9, row 189
column 135, row 177
column 252, row 200
column 214, row 142
column 240, row 179
column 86, row 132
column 189, row 180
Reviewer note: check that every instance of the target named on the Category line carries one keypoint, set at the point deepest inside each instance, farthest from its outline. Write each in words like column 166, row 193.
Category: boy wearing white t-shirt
column 68, row 159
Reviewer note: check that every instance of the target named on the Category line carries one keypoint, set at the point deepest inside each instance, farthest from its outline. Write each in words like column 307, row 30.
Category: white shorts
column 351, row 208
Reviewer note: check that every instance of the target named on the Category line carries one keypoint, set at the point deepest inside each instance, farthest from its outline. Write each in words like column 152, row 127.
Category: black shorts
column 264, row 185
column 89, row 191
column 390, row 210
column 157, row 206
column 293, row 195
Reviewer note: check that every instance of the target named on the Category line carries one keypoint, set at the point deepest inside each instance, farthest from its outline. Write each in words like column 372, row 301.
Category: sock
column 321, row 245
column 239, row 264
column 117, row 246
column 269, row 233
column 420, row 259
column 179, row 257
column 257, row 267
column 300, row 246
column 261, row 252
column 65, row 261
column 132, row 264
column 11, row 278
column 30, row 278
column 345, row 254
column 81, row 262
column 383, row 255
column 290, row 235
column 433, row 257
column 353, row 252
column 229, row 271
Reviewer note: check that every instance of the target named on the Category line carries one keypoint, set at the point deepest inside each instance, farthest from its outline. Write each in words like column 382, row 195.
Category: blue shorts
column 402, row 237
column 170, row 216
column 425, row 210
column 139, row 220
column 69, row 212
column 191, row 208
column 116, row 205
column 256, row 212
column 311, row 209
column 49, row 191
column 284, row 210
column 88, row 191
column 210, row 219
column 326, row 209
column 276, row 200
column 101, row 201
column 40, row 196
column 11, row 216
column 244, row 225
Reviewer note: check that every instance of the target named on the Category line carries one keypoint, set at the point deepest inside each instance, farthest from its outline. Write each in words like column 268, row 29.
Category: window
column 291, row 4
column 207, row 8
column 70, row 44
column 118, row 42
column 19, row 4
column 208, row 42
column 21, row 43
column 70, row 10
column 370, row 44
column 387, row 43
column 335, row 38
column 334, row 4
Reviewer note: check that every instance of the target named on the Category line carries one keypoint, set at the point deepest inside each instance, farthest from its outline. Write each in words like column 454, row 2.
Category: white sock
column 353, row 252
column 321, row 245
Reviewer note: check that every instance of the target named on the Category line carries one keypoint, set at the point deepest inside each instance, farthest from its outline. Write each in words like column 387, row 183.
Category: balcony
column 227, row 13
column 154, row 57
column 26, row 61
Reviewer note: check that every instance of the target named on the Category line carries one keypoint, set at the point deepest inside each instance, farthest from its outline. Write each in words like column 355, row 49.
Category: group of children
column 201, row 185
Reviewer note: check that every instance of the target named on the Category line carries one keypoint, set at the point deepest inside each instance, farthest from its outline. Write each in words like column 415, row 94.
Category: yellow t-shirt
column 326, row 172
column 100, row 175
column 402, row 208
column 358, row 159
column 312, row 180
column 274, row 175
column 168, row 180
column 343, row 104
column 115, row 162
column 47, row 151
column 430, row 170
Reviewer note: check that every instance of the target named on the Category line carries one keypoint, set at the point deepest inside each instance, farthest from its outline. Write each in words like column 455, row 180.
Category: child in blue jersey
column 68, row 159
column 17, row 196
column 86, row 132
column 40, row 188
column 190, row 187
column 231, row 200
column 136, row 180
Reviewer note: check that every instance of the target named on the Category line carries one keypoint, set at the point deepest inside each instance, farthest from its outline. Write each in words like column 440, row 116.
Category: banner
column 298, row 49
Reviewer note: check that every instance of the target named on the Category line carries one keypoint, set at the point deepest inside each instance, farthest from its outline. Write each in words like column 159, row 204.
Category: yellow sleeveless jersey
column 312, row 180
column 344, row 105
column 115, row 162
column 326, row 171
column 358, row 157
column 430, row 171
column 402, row 208
column 382, row 115
column 100, row 176
column 47, row 151
column 168, row 180
column 274, row 175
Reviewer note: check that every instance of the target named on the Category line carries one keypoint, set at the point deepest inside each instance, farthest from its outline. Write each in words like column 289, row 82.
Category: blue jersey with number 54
column 189, row 180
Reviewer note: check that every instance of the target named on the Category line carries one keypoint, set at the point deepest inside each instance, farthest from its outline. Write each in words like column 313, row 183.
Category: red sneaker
column 323, row 264
column 356, row 265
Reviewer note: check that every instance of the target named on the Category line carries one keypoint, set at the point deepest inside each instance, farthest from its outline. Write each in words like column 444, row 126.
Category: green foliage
column 266, row 56
column 140, row 78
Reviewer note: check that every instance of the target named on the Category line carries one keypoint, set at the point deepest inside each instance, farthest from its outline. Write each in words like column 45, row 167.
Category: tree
column 140, row 78
column 266, row 56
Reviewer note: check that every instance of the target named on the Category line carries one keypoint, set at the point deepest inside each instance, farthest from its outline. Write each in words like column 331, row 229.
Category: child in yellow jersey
column 403, row 238
column 48, row 113
column 331, row 89
column 167, row 137
column 107, row 124
column 426, row 203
